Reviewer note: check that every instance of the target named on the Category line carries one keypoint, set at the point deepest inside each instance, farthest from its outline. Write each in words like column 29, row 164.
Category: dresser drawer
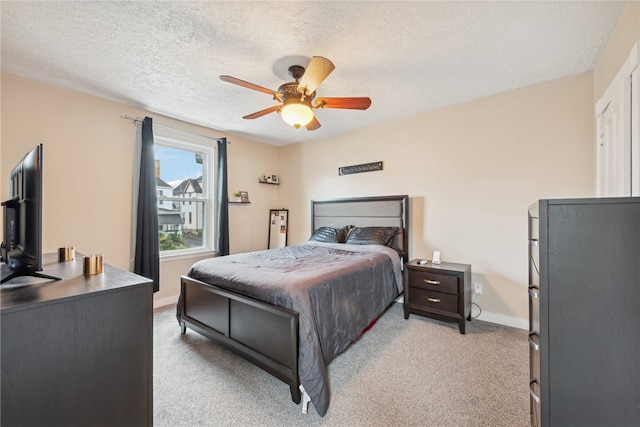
column 534, row 228
column 430, row 299
column 434, row 281
column 534, row 263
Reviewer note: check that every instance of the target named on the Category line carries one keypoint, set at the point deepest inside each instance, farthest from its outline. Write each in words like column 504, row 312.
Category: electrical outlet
column 477, row 288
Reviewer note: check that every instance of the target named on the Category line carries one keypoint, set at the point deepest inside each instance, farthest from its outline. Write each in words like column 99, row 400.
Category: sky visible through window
column 176, row 164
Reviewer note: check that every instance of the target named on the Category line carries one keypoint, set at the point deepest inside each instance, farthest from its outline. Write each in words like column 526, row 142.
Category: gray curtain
column 147, row 257
column 222, row 225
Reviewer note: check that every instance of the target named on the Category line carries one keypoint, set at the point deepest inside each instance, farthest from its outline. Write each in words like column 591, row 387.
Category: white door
column 618, row 142
column 613, row 149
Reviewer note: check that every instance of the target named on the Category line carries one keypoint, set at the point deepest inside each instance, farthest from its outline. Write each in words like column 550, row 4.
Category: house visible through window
column 183, row 171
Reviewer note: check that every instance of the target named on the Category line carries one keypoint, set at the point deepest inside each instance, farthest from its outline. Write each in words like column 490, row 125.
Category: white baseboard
column 501, row 319
column 162, row 302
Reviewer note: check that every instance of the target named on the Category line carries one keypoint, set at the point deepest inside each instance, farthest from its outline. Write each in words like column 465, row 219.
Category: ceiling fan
column 296, row 99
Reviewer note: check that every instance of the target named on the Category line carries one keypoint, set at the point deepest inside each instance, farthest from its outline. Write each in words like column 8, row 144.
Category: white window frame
column 168, row 137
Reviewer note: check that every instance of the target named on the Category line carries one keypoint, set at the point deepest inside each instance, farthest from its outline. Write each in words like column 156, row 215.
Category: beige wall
column 471, row 171
column 622, row 40
column 88, row 164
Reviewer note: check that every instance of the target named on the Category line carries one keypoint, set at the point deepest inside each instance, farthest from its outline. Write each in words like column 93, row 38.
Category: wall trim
column 163, row 302
column 501, row 319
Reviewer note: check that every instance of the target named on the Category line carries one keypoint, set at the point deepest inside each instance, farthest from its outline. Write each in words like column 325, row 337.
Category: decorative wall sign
column 365, row 167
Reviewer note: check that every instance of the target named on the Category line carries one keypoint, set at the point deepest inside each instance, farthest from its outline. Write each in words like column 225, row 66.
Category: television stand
column 79, row 353
column 15, row 274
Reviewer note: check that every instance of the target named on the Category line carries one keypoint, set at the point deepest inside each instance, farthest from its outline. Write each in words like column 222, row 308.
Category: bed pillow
column 371, row 236
column 330, row 235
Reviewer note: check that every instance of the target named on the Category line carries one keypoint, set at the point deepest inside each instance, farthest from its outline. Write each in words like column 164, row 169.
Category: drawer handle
column 532, row 342
column 534, row 292
column 432, row 299
column 531, row 392
column 432, row 282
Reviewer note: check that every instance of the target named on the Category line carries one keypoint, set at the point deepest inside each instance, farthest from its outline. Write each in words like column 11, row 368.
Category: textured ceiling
column 408, row 57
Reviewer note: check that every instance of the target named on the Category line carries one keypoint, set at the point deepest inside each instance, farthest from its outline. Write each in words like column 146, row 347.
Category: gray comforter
column 337, row 289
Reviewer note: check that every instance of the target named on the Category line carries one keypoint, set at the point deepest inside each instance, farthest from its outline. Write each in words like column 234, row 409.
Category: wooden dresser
column 584, row 312
column 440, row 291
column 77, row 351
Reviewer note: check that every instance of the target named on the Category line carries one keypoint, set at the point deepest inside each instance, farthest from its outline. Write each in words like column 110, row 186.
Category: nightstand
column 441, row 291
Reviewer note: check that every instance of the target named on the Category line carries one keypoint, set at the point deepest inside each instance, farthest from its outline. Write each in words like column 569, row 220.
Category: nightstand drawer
column 437, row 300
column 434, row 281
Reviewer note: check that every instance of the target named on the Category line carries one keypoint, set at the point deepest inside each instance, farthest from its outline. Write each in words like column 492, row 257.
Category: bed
column 292, row 310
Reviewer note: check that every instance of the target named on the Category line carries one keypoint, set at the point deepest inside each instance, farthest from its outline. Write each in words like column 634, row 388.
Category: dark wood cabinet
column 584, row 312
column 441, row 291
column 79, row 351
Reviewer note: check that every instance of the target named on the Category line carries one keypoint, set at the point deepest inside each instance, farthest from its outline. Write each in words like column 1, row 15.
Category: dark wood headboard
column 365, row 212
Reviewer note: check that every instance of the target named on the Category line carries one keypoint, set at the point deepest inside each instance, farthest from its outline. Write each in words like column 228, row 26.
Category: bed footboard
column 262, row 333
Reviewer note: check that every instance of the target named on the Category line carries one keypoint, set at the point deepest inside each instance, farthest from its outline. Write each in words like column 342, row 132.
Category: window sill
column 205, row 253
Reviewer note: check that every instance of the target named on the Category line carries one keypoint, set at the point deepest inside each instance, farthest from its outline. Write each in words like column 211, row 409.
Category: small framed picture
column 274, row 178
column 244, row 196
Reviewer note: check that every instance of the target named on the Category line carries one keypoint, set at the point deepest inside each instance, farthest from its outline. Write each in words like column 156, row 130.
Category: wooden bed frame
column 265, row 334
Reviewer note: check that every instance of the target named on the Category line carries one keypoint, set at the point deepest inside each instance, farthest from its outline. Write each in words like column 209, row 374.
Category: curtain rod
column 155, row 125
column 133, row 119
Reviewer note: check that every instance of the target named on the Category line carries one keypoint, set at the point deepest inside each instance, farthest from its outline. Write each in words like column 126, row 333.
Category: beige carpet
column 416, row 372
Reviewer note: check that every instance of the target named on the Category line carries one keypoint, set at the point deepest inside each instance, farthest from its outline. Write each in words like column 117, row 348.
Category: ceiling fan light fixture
column 295, row 99
column 296, row 113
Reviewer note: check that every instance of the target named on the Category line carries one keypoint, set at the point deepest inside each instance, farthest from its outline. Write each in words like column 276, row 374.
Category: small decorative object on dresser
column 441, row 291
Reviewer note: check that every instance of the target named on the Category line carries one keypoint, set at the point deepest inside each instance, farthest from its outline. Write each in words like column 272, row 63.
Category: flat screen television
column 21, row 249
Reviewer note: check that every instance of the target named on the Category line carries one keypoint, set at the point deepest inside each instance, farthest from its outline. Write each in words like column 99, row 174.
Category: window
column 184, row 171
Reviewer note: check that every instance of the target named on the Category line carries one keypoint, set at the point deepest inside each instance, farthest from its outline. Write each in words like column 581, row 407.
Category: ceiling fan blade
column 317, row 70
column 262, row 112
column 347, row 103
column 313, row 124
column 248, row 85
